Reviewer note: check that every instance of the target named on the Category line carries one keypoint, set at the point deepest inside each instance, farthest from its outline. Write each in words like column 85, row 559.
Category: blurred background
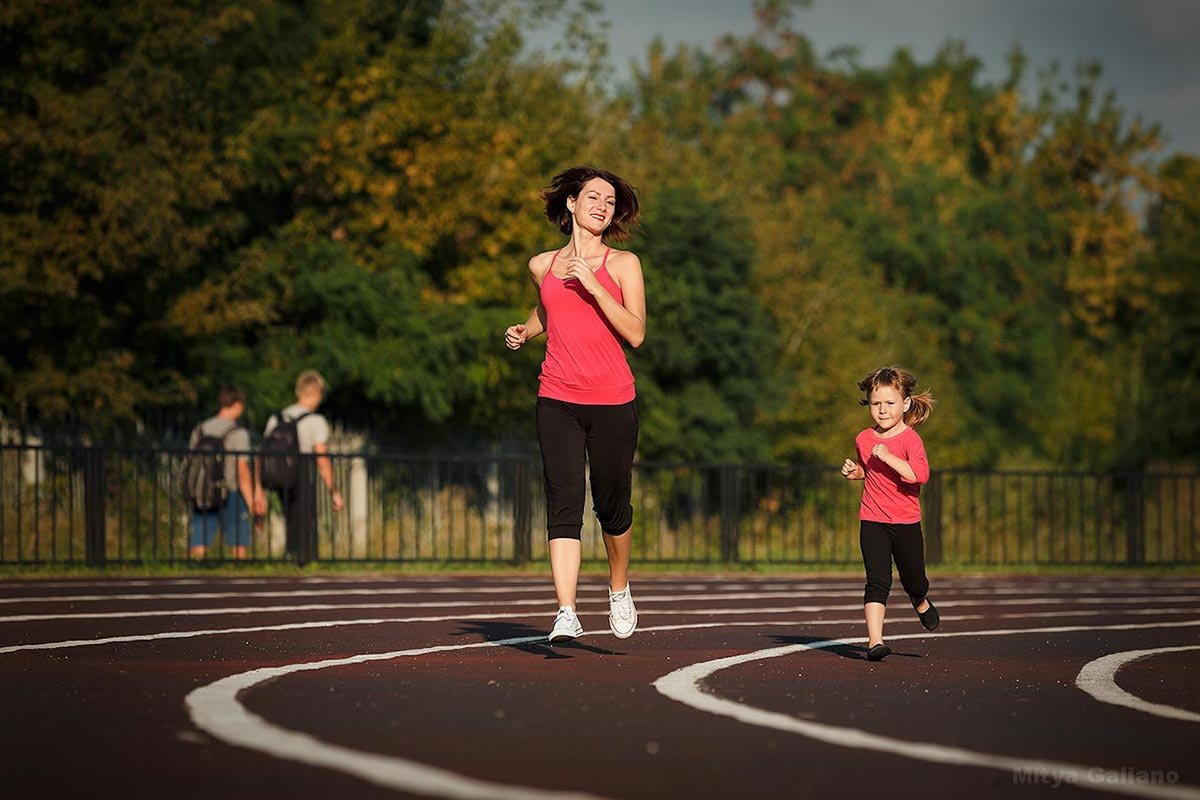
column 1004, row 198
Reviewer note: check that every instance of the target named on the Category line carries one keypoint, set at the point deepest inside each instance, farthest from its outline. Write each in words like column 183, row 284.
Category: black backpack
column 280, row 451
column 203, row 472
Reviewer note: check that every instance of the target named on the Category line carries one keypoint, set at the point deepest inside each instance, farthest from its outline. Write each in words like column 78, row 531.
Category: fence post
column 358, row 500
column 522, row 512
column 1135, row 520
column 729, row 512
column 95, row 491
column 933, row 519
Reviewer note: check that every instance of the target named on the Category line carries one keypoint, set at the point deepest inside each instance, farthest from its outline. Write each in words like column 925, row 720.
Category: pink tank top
column 585, row 362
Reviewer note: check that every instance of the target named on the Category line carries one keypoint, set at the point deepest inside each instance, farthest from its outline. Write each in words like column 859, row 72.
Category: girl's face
column 887, row 407
column 595, row 206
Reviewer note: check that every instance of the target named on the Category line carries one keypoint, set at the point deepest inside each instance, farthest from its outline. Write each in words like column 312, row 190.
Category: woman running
column 591, row 302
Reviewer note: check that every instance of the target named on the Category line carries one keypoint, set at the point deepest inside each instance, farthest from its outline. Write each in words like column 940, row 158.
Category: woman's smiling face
column 595, row 205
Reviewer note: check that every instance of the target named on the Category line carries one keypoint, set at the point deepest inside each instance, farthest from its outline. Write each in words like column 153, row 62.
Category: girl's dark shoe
column 930, row 617
column 879, row 652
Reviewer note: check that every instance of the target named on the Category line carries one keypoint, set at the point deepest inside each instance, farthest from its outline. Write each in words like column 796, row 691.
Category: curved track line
column 1099, row 679
column 684, row 686
column 215, row 709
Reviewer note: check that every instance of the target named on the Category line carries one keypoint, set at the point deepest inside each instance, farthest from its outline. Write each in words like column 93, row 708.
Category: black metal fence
column 101, row 505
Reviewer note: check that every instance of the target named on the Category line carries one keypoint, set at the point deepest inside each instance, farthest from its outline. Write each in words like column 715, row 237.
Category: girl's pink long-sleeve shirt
column 886, row 496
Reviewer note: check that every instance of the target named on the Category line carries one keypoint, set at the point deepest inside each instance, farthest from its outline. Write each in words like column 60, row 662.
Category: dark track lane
column 585, row 716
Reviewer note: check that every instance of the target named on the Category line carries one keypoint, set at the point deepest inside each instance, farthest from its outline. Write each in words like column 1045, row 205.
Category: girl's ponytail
column 920, row 408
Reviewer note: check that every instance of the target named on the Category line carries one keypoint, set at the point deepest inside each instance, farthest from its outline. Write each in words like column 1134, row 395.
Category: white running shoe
column 566, row 625
column 622, row 616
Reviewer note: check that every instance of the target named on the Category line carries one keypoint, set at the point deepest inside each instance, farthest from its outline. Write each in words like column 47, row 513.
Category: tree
column 704, row 373
column 115, row 193
column 1162, row 429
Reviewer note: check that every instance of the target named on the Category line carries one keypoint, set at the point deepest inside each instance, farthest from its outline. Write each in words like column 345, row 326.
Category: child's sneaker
column 622, row 615
column 566, row 625
column 930, row 618
column 879, row 652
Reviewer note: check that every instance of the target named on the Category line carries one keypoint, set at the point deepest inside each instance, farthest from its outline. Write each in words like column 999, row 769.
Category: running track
column 732, row 688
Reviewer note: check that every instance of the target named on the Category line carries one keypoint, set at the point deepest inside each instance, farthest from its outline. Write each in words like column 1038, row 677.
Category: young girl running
column 591, row 302
column 892, row 465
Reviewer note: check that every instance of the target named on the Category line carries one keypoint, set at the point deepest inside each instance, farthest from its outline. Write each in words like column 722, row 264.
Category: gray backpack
column 203, row 472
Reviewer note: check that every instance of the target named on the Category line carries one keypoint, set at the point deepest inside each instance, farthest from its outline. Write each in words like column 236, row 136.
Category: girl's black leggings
column 573, row 435
column 883, row 541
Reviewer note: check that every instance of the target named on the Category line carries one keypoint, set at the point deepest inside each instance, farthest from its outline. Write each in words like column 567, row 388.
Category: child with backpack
column 892, row 464
column 216, row 478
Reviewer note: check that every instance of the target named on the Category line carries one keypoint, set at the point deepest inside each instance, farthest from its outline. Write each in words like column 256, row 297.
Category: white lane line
column 90, row 598
column 1141, row 611
column 1158, row 598
column 215, row 709
column 19, row 584
column 649, row 599
column 668, row 598
column 1018, row 594
column 323, row 607
column 541, row 586
column 150, row 582
column 289, row 626
column 211, row 612
column 547, row 603
column 185, row 612
column 1102, row 584
column 684, row 686
column 337, row 623
column 1099, row 679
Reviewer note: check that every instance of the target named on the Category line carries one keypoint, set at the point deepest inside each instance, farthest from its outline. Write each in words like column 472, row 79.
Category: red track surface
column 110, row 720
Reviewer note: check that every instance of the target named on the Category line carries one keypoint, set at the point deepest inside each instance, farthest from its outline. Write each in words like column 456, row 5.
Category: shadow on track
column 494, row 631
column 855, row 652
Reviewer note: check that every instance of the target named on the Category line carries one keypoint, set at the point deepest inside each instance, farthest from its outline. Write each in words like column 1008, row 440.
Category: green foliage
column 192, row 194
column 1167, row 359
column 705, row 375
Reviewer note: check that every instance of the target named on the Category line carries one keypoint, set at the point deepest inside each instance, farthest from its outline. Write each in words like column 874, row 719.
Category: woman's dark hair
column 570, row 182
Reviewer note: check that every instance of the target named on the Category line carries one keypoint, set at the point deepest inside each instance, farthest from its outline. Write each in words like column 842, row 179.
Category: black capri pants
column 883, row 541
column 572, row 435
